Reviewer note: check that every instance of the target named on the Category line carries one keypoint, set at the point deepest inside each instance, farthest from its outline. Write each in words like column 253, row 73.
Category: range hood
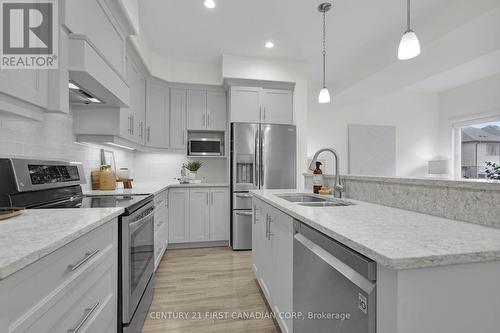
column 92, row 80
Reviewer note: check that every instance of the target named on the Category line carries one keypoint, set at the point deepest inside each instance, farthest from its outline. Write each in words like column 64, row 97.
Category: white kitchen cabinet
column 54, row 294
column 219, row 214
column 216, row 111
column 178, row 118
column 160, row 225
column 157, row 115
column 196, row 109
column 199, row 214
column 206, row 110
column 277, row 106
column 245, row 104
column 272, row 257
column 178, row 215
column 259, row 105
column 137, row 83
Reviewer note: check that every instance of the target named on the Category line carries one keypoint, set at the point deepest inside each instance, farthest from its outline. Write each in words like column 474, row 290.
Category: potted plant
column 192, row 167
column 492, row 171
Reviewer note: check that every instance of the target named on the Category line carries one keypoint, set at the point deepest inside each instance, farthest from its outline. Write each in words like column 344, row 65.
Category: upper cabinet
column 178, row 118
column 157, row 115
column 137, row 83
column 206, row 110
column 260, row 105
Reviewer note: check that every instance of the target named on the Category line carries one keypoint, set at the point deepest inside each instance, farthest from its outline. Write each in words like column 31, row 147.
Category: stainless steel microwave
column 205, row 147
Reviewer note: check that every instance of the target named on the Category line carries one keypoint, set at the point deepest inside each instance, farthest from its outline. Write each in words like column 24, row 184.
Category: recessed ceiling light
column 269, row 45
column 210, row 4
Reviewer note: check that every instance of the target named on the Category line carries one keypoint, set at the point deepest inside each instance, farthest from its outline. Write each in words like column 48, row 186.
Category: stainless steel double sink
column 305, row 199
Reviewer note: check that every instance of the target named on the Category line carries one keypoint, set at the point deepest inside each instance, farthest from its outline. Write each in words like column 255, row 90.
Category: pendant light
column 324, row 94
column 409, row 47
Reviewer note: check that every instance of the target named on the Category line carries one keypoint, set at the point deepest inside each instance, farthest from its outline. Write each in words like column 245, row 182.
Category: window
column 480, row 143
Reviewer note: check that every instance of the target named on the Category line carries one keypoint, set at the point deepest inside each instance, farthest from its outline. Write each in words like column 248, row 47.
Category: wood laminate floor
column 200, row 284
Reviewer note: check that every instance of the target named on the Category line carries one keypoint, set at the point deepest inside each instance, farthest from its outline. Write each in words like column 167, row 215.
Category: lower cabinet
column 198, row 215
column 72, row 289
column 160, row 226
column 272, row 258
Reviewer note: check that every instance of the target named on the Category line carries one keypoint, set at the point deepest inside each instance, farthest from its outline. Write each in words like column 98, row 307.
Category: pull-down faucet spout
column 338, row 187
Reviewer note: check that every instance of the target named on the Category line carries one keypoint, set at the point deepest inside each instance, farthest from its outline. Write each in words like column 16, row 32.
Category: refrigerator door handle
column 256, row 160
column 261, row 162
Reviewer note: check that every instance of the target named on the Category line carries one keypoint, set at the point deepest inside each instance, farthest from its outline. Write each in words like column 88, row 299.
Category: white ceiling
column 363, row 35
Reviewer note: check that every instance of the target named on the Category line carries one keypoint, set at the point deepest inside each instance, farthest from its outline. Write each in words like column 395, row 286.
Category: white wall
column 414, row 115
column 185, row 72
column 53, row 139
column 275, row 70
column 473, row 100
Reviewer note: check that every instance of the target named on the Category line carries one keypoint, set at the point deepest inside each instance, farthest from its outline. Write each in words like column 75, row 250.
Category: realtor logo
column 29, row 36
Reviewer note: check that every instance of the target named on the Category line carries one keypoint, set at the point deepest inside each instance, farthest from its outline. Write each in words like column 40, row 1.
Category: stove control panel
column 48, row 174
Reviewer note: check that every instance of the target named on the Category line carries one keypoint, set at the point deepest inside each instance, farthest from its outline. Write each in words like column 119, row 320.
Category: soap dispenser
column 317, row 178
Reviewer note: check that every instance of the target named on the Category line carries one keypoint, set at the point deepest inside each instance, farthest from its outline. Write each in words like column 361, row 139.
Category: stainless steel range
column 50, row 184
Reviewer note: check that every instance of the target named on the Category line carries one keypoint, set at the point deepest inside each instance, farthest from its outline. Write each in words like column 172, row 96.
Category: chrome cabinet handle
column 88, row 256
column 260, row 113
column 141, row 126
column 88, row 312
column 132, row 118
column 212, row 198
column 244, row 213
column 149, row 133
column 207, row 198
column 264, row 113
column 243, row 195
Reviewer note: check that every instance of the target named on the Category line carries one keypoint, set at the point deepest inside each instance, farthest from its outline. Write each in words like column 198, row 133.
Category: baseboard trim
column 194, row 245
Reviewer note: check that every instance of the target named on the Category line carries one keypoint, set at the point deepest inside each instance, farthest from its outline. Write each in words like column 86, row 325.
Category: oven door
column 137, row 257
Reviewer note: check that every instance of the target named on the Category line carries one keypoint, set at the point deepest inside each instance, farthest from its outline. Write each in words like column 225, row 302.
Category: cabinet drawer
column 89, row 305
column 46, row 281
column 242, row 201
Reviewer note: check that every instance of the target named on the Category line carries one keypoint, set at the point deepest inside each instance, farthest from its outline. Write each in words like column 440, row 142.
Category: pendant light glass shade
column 324, row 96
column 409, row 47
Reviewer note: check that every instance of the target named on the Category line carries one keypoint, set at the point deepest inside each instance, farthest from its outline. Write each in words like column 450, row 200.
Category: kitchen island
column 433, row 274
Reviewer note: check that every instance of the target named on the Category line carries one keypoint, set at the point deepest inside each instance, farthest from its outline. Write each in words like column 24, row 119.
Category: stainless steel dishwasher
column 334, row 287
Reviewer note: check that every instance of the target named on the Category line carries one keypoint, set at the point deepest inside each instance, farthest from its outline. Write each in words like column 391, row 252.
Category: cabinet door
column 199, row 214
column 178, row 215
column 178, row 118
column 258, row 237
column 196, row 110
column 216, row 111
column 277, row 106
column 28, row 85
column 219, row 214
column 245, row 104
column 157, row 116
column 281, row 234
column 137, row 84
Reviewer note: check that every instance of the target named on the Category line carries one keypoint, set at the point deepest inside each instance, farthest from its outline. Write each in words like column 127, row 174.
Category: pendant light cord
column 408, row 15
column 324, row 47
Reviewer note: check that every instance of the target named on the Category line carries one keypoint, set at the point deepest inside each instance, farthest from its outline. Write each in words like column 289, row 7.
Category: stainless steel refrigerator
column 263, row 156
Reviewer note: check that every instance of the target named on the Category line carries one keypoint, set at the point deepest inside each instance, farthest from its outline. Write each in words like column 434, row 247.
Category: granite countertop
column 472, row 184
column 395, row 238
column 146, row 188
column 38, row 232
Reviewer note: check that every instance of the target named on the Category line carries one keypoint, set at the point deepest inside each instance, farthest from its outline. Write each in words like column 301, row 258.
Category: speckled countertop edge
column 486, row 246
column 36, row 233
